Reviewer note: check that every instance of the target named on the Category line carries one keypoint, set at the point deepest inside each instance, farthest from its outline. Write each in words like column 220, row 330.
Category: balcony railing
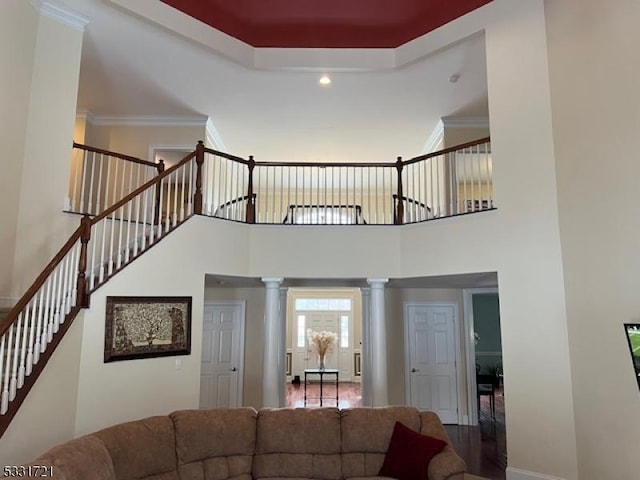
column 442, row 184
column 450, row 182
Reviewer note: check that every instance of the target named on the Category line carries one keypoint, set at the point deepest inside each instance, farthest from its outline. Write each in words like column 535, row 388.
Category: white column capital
column 61, row 14
column 377, row 282
column 272, row 282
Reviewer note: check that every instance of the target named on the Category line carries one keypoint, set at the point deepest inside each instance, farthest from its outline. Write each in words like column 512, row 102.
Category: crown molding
column 85, row 115
column 213, row 136
column 435, row 139
column 60, row 14
column 148, row 120
column 465, row 122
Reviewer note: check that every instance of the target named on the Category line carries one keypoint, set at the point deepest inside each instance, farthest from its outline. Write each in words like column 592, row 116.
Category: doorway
column 485, row 378
column 336, row 310
column 431, row 353
column 222, row 359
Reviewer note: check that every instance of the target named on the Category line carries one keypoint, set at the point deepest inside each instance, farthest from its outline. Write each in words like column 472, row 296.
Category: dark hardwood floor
column 483, row 448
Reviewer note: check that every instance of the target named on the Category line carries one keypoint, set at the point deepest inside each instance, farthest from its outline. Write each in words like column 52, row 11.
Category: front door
column 338, row 322
column 221, row 371
column 431, row 355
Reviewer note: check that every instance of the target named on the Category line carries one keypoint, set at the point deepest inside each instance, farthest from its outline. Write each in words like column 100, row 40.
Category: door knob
column 233, row 369
column 413, row 370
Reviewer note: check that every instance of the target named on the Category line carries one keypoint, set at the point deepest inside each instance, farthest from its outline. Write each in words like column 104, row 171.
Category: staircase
column 101, row 247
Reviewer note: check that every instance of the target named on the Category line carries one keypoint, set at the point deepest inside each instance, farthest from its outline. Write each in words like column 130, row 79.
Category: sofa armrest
column 447, row 465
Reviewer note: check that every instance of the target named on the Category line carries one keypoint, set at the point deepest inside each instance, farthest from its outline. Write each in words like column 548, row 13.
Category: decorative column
column 378, row 343
column 365, row 348
column 272, row 368
column 282, row 354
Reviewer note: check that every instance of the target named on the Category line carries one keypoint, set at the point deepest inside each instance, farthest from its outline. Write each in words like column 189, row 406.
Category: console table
column 321, row 372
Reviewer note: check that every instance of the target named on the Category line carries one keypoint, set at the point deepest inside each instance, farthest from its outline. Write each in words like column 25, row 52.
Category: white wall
column 40, row 229
column 18, row 26
column 595, row 104
column 136, row 140
column 126, row 390
column 47, row 416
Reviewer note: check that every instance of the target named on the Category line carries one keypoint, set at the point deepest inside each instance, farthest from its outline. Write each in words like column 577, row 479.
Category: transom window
column 323, row 304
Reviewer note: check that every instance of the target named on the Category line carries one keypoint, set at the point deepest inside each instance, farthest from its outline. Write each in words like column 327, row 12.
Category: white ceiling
column 131, row 66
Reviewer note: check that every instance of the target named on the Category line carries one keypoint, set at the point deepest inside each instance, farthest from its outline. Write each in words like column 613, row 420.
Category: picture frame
column 632, row 332
column 147, row 327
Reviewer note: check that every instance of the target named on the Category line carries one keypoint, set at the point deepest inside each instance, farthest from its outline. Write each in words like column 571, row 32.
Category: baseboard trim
column 517, row 474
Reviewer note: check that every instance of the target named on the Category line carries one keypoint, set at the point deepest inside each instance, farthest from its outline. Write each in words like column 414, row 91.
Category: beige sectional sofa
column 242, row 444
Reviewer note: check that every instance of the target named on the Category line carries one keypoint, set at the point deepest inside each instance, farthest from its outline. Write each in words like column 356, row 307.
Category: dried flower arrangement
column 322, row 343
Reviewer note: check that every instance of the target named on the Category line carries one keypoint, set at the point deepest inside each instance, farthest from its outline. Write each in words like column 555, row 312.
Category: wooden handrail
column 325, row 165
column 115, row 154
column 39, row 281
column 228, row 156
column 455, row 148
column 142, row 188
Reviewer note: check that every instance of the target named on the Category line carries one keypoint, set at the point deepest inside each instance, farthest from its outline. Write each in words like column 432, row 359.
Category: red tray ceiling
column 326, row 23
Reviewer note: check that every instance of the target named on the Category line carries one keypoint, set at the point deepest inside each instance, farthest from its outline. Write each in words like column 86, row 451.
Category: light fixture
column 324, row 80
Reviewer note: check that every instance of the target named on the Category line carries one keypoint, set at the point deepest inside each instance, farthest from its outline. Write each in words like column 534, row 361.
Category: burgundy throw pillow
column 409, row 454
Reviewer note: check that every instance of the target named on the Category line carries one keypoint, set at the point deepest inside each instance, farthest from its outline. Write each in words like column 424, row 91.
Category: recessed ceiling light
column 324, row 80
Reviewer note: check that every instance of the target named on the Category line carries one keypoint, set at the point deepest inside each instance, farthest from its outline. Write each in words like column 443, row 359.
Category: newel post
column 160, row 168
column 197, row 196
column 81, row 284
column 251, row 206
column 399, row 213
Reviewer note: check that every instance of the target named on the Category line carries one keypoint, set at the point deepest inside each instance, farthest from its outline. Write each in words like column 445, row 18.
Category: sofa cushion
column 409, row 454
column 143, row 449
column 363, row 446
column 215, row 444
column 84, row 457
column 298, row 443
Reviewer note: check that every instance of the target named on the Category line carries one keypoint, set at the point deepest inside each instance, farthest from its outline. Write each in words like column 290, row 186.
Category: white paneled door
column 431, row 359
column 221, row 371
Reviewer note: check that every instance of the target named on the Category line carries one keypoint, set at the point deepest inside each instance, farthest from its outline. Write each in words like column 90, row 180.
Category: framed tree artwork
column 146, row 327
column 633, row 337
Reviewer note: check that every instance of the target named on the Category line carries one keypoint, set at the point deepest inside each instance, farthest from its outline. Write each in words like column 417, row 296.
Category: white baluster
column 176, row 189
column 58, row 297
column 85, row 162
column 159, row 207
column 191, row 182
column 79, row 156
column 4, row 401
column 36, row 346
column 32, row 332
column 23, row 348
column 90, row 199
column 14, row 365
column 72, row 268
column 183, row 190
column 99, row 188
column 47, row 329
